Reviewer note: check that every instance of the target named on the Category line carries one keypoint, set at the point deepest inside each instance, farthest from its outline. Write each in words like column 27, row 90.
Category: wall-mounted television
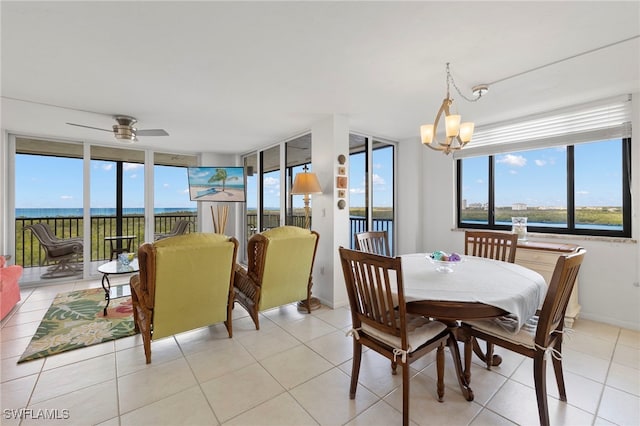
column 216, row 183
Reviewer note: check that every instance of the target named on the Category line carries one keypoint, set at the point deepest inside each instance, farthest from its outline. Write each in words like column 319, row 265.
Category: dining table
column 472, row 289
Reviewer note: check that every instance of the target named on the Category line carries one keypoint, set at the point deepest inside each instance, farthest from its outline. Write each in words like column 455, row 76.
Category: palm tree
column 221, row 174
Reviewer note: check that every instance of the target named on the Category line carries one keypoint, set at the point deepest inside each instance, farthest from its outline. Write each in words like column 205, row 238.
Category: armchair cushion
column 9, row 288
column 185, row 282
column 204, row 261
column 289, row 258
column 279, row 270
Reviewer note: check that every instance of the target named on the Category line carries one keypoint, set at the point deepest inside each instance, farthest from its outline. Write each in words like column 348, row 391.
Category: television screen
column 217, row 184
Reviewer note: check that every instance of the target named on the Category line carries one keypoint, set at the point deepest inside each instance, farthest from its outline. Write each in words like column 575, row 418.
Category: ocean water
column 35, row 212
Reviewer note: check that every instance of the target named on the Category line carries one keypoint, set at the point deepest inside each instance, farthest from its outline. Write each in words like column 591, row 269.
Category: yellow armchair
column 279, row 270
column 185, row 282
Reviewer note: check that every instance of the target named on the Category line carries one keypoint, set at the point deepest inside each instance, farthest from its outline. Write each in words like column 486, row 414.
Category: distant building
column 518, row 206
column 478, row 206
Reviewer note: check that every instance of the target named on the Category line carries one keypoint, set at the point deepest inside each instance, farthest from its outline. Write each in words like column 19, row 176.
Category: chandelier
column 457, row 134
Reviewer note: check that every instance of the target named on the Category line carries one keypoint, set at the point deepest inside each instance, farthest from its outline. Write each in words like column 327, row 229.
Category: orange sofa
column 9, row 288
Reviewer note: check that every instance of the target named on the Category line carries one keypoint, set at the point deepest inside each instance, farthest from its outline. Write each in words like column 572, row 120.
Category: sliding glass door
column 371, row 186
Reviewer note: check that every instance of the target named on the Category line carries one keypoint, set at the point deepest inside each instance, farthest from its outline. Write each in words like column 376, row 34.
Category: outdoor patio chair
column 179, row 228
column 279, row 270
column 65, row 253
column 55, row 238
column 185, row 282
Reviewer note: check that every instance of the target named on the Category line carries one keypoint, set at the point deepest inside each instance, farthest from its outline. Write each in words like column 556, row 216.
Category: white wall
column 329, row 138
column 609, row 277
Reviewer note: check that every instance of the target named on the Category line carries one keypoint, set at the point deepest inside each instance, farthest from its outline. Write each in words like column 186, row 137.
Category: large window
column 571, row 189
column 567, row 171
column 48, row 189
column 171, row 202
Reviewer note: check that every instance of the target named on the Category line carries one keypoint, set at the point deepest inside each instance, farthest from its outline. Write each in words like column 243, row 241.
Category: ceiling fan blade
column 90, row 127
column 152, row 132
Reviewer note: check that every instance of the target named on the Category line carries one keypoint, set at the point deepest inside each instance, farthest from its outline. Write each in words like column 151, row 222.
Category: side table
column 115, row 267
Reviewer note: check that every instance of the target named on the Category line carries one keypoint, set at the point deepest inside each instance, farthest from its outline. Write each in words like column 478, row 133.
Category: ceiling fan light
column 426, row 133
column 125, row 133
column 466, row 131
column 452, row 125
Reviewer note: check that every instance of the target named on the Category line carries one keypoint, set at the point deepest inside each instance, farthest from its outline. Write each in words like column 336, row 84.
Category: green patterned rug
column 75, row 320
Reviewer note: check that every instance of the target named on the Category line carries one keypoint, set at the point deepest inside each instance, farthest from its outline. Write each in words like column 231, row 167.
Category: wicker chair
column 185, row 282
column 65, row 253
column 279, row 270
column 179, row 228
column 535, row 344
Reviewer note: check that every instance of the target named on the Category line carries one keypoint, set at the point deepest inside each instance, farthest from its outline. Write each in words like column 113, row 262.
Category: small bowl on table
column 445, row 266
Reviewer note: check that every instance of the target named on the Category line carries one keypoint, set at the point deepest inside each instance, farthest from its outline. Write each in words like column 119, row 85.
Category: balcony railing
column 356, row 225
column 30, row 254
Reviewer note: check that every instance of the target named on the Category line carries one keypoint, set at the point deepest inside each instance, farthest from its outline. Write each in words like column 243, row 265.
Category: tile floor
column 295, row 371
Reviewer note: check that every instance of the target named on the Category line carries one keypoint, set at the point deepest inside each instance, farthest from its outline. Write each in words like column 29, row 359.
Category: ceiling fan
column 125, row 131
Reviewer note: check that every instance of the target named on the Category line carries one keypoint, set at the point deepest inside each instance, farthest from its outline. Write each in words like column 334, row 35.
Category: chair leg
column 489, row 355
column 440, row 369
column 557, row 368
column 355, row 368
column 229, row 323
column 539, row 378
column 468, row 353
column 145, row 332
column 405, row 394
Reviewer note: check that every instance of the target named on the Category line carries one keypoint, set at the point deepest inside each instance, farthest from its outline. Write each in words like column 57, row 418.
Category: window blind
column 602, row 120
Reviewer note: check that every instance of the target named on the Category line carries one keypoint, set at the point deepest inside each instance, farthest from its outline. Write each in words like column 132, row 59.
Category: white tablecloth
column 513, row 288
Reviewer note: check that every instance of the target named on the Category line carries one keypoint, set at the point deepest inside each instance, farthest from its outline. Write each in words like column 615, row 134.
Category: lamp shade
column 452, row 125
column 306, row 183
column 466, row 131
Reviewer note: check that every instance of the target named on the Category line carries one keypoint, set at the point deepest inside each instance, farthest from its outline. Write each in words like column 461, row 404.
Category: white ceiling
column 230, row 77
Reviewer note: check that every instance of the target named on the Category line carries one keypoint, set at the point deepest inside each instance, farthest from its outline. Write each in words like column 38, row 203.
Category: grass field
column 611, row 216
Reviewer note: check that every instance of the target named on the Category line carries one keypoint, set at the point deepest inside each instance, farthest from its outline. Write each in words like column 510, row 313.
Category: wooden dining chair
column 491, row 245
column 381, row 322
column 376, row 242
column 545, row 338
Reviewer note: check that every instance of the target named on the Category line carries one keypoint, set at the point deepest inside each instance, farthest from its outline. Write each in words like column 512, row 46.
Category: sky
column 538, row 178
column 382, row 183
column 40, row 184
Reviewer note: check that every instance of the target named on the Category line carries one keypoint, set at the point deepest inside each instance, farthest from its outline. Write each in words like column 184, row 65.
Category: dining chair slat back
column 380, row 321
column 547, row 336
column 376, row 242
column 491, row 245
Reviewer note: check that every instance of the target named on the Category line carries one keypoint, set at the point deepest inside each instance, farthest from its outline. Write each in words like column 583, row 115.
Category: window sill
column 569, row 237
